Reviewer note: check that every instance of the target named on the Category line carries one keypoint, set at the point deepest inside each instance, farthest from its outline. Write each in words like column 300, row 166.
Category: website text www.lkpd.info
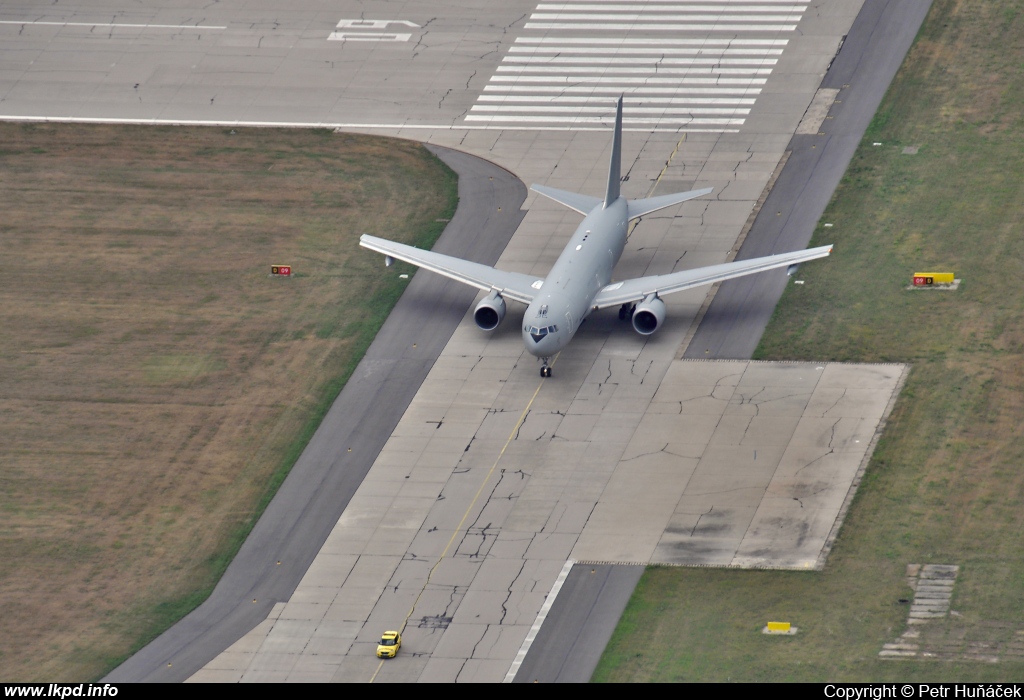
column 60, row 690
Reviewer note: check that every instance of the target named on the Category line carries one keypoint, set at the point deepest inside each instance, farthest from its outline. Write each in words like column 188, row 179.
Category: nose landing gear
column 545, row 371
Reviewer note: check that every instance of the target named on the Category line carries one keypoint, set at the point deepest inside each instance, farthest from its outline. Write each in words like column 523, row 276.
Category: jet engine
column 649, row 315
column 489, row 312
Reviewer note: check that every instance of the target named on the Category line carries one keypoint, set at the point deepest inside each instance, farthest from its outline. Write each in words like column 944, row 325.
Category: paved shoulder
column 570, row 643
column 297, row 522
column 580, row 623
column 860, row 76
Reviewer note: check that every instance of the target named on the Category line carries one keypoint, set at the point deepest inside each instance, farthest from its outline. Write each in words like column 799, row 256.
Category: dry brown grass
column 153, row 377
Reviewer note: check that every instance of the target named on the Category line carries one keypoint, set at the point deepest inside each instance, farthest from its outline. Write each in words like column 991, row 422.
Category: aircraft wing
column 635, row 290
column 511, row 285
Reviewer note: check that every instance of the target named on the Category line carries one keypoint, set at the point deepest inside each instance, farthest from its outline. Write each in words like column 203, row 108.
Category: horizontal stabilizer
column 640, row 207
column 577, row 202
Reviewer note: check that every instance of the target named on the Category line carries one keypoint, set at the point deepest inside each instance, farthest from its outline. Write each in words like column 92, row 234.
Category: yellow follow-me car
column 390, row 643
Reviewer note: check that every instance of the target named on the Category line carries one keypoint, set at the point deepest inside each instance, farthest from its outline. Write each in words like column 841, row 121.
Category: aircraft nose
column 538, row 341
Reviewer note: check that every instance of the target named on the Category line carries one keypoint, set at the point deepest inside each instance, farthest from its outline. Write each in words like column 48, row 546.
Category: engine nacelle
column 649, row 315
column 489, row 312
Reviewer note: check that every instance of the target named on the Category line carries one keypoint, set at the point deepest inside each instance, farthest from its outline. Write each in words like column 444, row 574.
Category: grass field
column 946, row 483
column 155, row 383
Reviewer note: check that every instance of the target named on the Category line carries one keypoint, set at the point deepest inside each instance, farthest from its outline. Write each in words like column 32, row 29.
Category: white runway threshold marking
column 575, row 7
column 655, row 26
column 622, row 51
column 541, row 616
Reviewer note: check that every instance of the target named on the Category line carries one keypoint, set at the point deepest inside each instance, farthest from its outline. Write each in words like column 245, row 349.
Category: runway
column 490, row 480
column 740, row 310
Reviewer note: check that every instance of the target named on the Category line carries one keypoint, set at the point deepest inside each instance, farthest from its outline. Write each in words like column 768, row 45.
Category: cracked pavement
column 731, row 463
column 752, row 475
column 616, row 433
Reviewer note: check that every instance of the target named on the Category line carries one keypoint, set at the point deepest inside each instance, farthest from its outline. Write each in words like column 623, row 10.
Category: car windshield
column 387, row 641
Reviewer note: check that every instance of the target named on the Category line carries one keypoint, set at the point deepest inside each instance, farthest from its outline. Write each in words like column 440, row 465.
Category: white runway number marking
column 357, row 30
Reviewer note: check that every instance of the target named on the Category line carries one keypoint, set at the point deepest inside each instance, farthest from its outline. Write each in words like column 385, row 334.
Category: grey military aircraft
column 580, row 281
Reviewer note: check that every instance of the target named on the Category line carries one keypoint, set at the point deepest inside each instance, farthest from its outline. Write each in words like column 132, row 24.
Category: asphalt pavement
column 862, row 72
column 288, row 536
column 575, row 633
column 298, row 520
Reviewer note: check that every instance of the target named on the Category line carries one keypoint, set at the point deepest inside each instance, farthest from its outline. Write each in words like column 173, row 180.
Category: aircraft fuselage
column 580, row 280
column 582, row 270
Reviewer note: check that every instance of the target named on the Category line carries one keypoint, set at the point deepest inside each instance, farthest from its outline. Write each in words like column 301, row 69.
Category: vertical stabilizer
column 615, row 167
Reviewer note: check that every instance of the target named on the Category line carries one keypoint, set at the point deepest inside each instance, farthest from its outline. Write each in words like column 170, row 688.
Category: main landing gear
column 626, row 311
column 545, row 371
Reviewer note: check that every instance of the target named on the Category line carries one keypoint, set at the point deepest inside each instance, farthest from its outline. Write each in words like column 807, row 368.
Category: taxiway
column 491, row 482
